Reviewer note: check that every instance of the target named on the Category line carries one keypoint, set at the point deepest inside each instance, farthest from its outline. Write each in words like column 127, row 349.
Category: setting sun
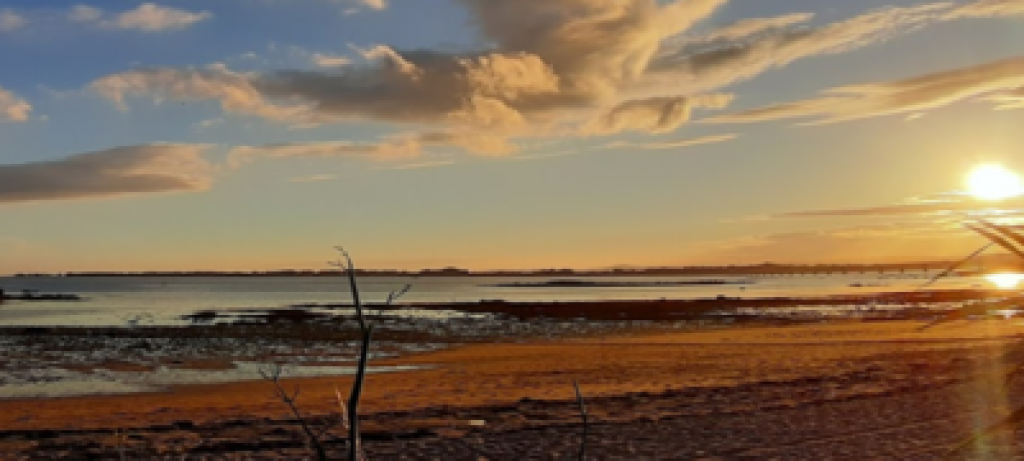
column 1005, row 281
column 994, row 182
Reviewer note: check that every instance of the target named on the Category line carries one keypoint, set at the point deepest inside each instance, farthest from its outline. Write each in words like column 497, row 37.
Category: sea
column 149, row 300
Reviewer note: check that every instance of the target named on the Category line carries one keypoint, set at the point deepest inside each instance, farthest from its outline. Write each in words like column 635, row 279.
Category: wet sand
column 730, row 391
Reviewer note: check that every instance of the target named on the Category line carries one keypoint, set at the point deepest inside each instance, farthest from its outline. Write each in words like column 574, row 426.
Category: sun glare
column 994, row 182
column 1005, row 281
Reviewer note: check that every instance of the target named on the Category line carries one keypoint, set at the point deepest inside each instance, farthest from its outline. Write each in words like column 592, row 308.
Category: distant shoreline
column 767, row 269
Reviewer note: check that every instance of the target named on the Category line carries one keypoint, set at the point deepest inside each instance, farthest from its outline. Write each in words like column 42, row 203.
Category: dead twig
column 274, row 376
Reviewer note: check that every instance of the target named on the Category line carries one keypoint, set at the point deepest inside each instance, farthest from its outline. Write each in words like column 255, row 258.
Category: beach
column 753, row 392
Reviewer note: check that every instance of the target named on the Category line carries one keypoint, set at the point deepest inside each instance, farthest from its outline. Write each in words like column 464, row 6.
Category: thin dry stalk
column 586, row 422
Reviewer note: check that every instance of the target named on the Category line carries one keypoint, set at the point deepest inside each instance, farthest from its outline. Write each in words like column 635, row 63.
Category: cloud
column 400, row 147
column 13, row 108
column 905, row 241
column 1000, row 81
column 423, row 165
column 987, row 9
column 11, row 21
column 84, row 13
column 548, row 60
column 953, row 203
column 727, row 63
column 150, row 17
column 324, row 60
column 113, row 172
column 374, row 4
column 751, row 27
column 313, row 178
column 548, row 68
column 678, row 144
column 236, row 92
column 654, row 115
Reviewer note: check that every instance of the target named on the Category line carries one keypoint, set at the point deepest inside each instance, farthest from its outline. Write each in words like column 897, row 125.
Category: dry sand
column 642, row 382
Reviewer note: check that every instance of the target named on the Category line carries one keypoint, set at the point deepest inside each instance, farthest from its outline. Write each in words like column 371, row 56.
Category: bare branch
column 350, row 270
column 274, row 376
column 355, row 444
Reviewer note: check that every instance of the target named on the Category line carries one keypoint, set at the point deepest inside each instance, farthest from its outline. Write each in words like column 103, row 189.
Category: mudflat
column 651, row 395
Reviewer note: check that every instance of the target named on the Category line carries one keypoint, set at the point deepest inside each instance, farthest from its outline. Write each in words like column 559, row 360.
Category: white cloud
column 11, row 21
column 13, row 108
column 142, row 169
column 150, row 17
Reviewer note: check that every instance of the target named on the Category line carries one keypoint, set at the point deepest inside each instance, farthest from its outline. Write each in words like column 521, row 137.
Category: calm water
column 162, row 300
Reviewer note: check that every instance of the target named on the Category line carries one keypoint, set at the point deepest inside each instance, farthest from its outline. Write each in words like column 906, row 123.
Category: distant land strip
column 765, row 269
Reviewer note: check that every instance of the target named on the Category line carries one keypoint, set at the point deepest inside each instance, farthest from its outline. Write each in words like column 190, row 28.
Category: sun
column 1005, row 281
column 994, row 182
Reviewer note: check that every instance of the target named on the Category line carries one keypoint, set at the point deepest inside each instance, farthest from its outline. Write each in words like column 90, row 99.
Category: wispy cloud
column 423, row 165
column 124, row 170
column 13, row 108
column 902, row 241
column 677, row 144
column 752, row 27
column 147, row 17
column 987, row 9
column 374, row 4
column 400, row 147
column 388, row 150
column 952, row 204
column 312, row 178
column 325, row 60
column 964, row 206
column 726, row 63
column 654, row 115
column 11, row 21
column 1000, row 81
column 150, row 17
column 84, row 13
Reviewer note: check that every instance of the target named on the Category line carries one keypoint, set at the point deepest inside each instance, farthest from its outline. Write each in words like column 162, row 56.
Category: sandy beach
column 720, row 394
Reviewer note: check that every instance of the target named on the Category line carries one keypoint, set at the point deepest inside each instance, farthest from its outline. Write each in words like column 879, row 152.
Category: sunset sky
column 258, row 134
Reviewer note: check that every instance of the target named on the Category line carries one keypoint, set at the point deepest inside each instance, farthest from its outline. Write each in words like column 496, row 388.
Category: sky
column 500, row 134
